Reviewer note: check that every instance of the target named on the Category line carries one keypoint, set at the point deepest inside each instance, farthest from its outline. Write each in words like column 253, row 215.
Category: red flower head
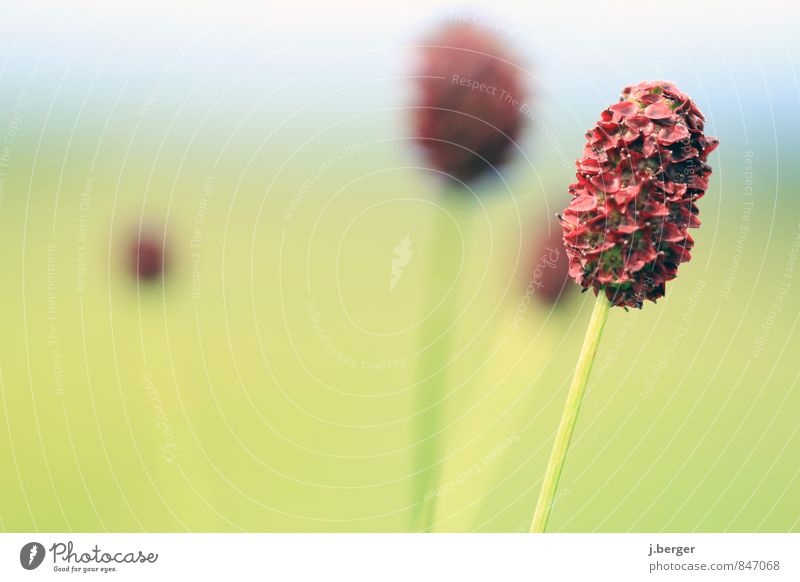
column 469, row 98
column 643, row 168
column 146, row 256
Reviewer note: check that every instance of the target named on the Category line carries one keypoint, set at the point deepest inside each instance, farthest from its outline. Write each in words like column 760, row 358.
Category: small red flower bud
column 548, row 271
column 146, row 256
column 468, row 110
column 643, row 168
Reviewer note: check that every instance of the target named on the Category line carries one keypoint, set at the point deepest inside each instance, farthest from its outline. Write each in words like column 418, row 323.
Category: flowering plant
column 626, row 227
column 643, row 168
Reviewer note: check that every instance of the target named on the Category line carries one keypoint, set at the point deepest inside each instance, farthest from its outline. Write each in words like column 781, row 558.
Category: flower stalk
column 570, row 415
column 437, row 336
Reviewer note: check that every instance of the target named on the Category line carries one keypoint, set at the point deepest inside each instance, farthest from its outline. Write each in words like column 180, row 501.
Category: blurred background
column 217, row 234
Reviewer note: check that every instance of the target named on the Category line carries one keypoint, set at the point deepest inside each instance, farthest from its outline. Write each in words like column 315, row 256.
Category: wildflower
column 470, row 94
column 643, row 168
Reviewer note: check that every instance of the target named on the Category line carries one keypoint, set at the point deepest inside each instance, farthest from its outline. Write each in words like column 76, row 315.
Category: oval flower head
column 146, row 256
column 643, row 168
column 469, row 101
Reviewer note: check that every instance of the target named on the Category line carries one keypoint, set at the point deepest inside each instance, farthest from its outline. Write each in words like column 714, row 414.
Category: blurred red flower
column 146, row 256
column 548, row 269
column 469, row 109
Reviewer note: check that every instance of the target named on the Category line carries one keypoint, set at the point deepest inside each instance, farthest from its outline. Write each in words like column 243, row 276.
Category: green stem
column 570, row 415
column 437, row 337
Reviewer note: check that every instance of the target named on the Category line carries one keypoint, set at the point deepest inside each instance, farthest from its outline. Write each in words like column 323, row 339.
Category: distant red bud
column 469, row 105
column 146, row 256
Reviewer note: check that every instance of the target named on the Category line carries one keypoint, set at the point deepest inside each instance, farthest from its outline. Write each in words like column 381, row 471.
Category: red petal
column 671, row 233
column 606, row 182
column 712, row 145
column 639, row 122
column 669, row 135
column 583, row 203
column 576, row 271
column 655, row 208
column 658, row 110
column 649, row 147
column 589, row 166
column 624, row 109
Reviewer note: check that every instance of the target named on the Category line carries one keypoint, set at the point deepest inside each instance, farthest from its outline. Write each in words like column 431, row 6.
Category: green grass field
column 268, row 385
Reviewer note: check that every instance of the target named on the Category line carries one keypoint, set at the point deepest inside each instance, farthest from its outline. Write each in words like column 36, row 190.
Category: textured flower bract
column 643, row 168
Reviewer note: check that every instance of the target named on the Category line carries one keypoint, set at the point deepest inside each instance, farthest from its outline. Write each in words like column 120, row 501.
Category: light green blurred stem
column 570, row 415
column 436, row 335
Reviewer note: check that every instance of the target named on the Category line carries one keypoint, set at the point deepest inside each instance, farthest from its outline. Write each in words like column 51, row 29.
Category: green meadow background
column 269, row 384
